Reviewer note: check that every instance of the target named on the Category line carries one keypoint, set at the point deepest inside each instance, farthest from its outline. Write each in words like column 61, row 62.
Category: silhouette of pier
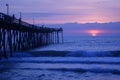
column 17, row 35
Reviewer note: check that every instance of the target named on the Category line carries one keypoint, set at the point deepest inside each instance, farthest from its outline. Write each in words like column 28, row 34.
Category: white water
column 90, row 59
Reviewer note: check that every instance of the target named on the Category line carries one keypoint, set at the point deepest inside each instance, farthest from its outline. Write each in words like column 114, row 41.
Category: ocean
column 79, row 58
column 86, row 44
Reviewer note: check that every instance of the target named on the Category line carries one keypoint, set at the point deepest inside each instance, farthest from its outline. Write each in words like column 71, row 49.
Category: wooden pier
column 17, row 35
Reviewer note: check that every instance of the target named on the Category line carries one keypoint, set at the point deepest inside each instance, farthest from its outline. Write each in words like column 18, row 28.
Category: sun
column 94, row 34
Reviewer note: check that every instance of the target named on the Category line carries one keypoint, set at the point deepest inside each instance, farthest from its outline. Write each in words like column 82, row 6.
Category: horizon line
column 78, row 23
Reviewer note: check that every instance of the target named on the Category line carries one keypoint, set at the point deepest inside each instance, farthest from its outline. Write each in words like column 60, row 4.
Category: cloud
column 54, row 11
column 104, row 29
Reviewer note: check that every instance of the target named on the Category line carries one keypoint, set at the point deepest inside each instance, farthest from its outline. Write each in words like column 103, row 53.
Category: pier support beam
column 17, row 35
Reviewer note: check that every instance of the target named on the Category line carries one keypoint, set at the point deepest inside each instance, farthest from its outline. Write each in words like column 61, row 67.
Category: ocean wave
column 94, row 54
column 52, row 53
column 81, row 70
column 65, row 61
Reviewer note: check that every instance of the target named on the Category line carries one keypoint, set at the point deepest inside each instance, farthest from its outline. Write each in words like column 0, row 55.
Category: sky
column 69, row 11
column 64, row 11
column 90, row 29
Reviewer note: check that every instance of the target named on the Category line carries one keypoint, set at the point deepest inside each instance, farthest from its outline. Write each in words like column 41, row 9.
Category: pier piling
column 17, row 35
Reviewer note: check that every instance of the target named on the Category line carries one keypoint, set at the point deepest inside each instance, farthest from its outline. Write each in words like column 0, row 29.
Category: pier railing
column 17, row 35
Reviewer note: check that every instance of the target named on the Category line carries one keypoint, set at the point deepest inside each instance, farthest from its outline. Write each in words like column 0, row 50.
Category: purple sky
column 64, row 11
column 70, row 11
